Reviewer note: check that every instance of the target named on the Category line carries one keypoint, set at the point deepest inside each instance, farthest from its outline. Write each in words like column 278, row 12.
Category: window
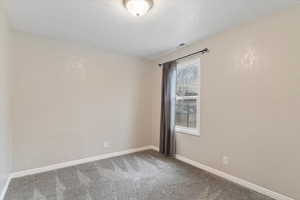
column 187, row 97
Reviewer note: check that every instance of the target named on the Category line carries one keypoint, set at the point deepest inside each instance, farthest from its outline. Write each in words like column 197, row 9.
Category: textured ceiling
column 108, row 25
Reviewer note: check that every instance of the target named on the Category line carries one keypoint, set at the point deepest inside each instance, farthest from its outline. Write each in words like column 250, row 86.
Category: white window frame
column 185, row 130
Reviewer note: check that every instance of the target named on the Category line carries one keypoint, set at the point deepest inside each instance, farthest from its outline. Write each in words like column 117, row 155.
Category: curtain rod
column 203, row 51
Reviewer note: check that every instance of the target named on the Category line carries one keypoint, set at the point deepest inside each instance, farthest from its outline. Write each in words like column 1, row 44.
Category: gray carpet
column 140, row 176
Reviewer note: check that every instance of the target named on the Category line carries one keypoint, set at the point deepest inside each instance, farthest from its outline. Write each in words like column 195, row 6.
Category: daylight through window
column 187, row 97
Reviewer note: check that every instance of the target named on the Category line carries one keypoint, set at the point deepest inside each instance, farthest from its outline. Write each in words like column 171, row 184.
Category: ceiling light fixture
column 138, row 7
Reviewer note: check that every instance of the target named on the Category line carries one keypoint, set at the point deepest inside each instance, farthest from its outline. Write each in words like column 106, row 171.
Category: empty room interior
column 149, row 100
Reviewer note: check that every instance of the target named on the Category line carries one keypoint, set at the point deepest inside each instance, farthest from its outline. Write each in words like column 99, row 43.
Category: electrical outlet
column 106, row 144
column 225, row 160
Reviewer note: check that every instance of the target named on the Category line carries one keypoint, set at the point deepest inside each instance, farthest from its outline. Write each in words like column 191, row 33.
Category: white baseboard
column 229, row 177
column 154, row 148
column 76, row 162
column 4, row 190
column 234, row 179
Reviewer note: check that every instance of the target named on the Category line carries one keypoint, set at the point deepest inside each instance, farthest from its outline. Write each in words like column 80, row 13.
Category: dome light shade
column 138, row 7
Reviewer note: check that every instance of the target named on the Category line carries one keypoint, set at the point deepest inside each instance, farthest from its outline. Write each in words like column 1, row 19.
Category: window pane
column 187, row 92
column 186, row 113
column 188, row 80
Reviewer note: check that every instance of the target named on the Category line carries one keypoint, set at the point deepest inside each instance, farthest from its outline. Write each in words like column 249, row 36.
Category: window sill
column 182, row 130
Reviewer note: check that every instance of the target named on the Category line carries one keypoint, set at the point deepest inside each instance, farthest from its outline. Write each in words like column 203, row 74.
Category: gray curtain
column 168, row 101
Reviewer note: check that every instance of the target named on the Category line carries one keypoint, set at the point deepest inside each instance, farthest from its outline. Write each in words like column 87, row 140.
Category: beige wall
column 250, row 103
column 5, row 151
column 69, row 99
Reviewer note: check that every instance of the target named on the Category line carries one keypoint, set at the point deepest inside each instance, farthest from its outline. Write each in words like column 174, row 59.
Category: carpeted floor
column 140, row 176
